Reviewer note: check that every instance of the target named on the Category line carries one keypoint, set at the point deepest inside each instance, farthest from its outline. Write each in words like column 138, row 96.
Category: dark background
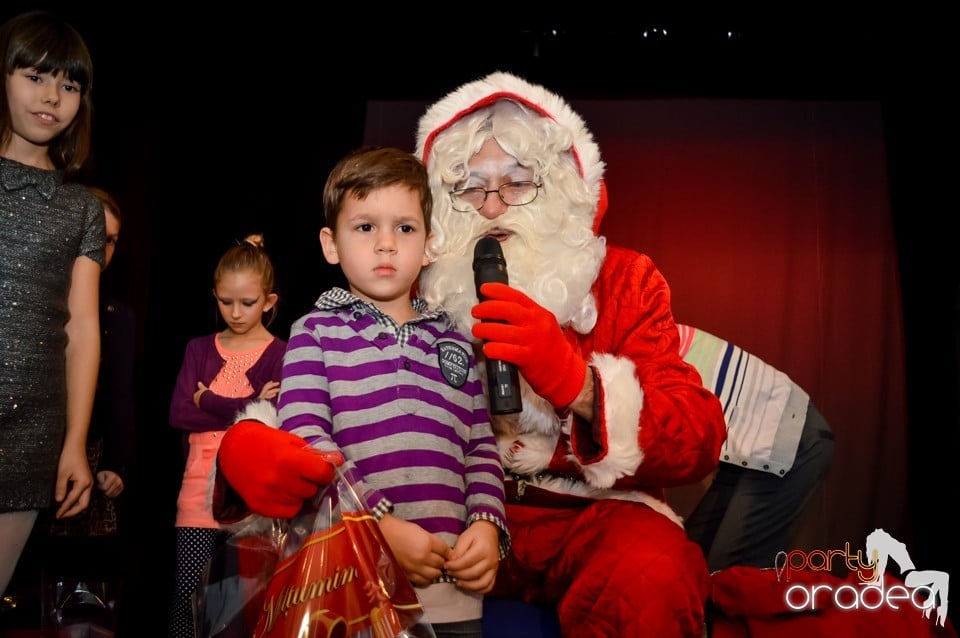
column 213, row 123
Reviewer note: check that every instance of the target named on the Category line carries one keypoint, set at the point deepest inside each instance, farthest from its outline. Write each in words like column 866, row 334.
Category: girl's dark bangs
column 55, row 54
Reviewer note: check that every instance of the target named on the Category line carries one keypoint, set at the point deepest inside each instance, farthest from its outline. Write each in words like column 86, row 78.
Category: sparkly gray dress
column 44, row 226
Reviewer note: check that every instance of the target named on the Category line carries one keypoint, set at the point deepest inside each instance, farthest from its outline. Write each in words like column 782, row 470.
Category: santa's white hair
column 553, row 255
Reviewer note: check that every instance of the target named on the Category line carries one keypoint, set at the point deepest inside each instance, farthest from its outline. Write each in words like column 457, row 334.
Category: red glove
column 273, row 470
column 519, row 331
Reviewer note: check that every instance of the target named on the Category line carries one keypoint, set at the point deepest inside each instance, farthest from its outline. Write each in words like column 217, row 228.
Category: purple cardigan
column 202, row 362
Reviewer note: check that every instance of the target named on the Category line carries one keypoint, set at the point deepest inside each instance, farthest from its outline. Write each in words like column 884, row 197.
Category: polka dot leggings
column 195, row 546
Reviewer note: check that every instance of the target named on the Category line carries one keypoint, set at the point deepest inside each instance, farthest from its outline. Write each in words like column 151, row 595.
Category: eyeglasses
column 467, row 200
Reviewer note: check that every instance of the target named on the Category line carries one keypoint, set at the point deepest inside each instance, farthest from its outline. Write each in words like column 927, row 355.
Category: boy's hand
column 420, row 553
column 476, row 558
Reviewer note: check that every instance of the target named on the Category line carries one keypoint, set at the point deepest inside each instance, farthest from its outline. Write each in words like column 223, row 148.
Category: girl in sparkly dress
column 220, row 374
column 51, row 251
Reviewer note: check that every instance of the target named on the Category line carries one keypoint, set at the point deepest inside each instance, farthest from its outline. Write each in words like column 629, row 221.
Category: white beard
column 556, row 267
column 555, row 264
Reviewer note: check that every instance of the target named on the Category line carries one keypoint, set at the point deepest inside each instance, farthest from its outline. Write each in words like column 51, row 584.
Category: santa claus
column 611, row 413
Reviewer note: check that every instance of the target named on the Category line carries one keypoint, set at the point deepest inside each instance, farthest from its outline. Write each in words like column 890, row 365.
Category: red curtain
column 771, row 221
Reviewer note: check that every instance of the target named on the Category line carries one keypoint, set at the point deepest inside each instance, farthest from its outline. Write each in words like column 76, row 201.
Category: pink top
column 193, row 503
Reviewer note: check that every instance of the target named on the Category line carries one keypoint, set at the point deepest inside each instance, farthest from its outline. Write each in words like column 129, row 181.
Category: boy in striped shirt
column 373, row 373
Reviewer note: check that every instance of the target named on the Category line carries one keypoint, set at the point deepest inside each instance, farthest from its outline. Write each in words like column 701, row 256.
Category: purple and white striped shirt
column 404, row 403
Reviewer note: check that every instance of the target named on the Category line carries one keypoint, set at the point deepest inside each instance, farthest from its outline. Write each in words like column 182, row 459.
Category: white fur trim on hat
column 500, row 85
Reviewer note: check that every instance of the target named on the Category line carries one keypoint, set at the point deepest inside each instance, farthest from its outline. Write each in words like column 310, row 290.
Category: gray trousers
column 747, row 516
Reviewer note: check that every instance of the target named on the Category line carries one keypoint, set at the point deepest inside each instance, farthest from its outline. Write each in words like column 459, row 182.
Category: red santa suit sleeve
column 656, row 424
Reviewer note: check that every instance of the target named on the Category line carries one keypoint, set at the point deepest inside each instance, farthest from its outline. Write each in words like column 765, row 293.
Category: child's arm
column 184, row 413
column 477, row 552
column 82, row 355
column 195, row 411
column 265, row 378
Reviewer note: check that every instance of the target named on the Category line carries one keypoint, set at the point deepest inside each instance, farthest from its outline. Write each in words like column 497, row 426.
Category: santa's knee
column 642, row 576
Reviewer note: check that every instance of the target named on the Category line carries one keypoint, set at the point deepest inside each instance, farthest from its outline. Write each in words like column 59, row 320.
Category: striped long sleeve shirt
column 763, row 407
column 405, row 404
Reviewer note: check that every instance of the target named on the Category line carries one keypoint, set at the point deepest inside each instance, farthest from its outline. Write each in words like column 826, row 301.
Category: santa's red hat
column 503, row 86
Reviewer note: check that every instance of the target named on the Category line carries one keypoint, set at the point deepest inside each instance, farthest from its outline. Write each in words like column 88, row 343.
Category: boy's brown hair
column 365, row 170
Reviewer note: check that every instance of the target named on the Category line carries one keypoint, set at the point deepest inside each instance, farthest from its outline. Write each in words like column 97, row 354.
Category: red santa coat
column 579, row 538
column 656, row 426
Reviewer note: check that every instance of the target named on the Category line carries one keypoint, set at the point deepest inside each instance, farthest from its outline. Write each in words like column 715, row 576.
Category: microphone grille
column 487, row 248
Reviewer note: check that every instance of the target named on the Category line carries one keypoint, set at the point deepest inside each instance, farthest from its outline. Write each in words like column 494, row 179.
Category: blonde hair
column 249, row 255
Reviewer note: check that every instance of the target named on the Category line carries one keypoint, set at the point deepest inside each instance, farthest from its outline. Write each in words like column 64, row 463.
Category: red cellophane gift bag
column 327, row 573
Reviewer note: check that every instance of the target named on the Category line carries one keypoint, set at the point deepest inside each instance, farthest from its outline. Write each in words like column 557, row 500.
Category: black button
column 382, row 335
column 357, row 314
column 406, row 365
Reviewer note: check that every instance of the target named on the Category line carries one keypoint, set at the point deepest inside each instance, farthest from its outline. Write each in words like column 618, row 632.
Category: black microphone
column 503, row 380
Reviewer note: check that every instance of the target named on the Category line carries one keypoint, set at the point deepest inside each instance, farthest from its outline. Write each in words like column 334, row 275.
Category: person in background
column 221, row 373
column 777, row 453
column 51, row 253
column 377, row 375
column 110, row 440
column 114, row 408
